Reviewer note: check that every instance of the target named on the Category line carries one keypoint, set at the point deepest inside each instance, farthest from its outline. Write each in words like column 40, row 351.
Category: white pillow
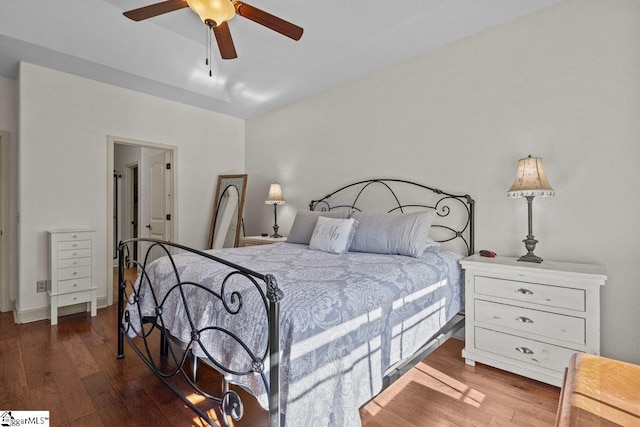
column 333, row 235
column 305, row 222
column 402, row 234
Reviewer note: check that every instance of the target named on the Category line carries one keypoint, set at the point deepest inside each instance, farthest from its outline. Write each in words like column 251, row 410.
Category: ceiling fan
column 216, row 14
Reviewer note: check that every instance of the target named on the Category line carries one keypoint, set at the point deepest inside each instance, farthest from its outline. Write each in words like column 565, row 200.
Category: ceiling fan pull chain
column 207, row 43
column 210, row 53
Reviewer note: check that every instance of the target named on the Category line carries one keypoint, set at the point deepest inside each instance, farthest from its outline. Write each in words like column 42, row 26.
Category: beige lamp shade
column 275, row 196
column 531, row 180
column 218, row 11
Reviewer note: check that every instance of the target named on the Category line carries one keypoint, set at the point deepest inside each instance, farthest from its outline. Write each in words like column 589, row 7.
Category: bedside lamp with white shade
column 275, row 198
column 530, row 182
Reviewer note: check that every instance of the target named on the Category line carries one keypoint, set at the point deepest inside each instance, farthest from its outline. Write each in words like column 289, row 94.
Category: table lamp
column 275, row 198
column 530, row 182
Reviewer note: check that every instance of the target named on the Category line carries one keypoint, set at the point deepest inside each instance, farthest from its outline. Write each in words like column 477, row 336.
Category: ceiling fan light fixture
column 218, row 11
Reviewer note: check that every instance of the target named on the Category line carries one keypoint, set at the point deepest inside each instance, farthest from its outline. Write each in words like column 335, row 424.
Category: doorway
column 142, row 165
column 131, row 206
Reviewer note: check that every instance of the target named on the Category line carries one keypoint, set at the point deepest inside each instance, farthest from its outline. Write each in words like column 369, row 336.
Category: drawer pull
column 523, row 319
column 75, row 285
column 524, row 350
column 75, row 244
column 524, row 291
column 75, row 273
column 75, row 236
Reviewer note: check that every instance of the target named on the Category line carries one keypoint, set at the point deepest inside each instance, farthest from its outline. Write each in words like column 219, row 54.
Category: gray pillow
column 305, row 222
column 402, row 234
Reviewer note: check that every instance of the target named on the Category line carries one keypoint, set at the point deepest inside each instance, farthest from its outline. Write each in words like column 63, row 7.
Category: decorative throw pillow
column 305, row 222
column 333, row 235
column 403, row 234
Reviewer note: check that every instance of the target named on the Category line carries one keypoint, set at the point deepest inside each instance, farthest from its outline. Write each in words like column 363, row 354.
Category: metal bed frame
column 443, row 203
column 169, row 361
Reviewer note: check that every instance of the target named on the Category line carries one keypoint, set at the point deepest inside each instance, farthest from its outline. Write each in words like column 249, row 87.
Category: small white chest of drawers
column 529, row 318
column 71, row 260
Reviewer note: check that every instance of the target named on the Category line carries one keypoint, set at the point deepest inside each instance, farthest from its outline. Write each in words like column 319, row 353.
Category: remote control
column 486, row 253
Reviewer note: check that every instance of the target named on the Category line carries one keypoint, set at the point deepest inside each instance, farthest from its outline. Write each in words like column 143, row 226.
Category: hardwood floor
column 71, row 370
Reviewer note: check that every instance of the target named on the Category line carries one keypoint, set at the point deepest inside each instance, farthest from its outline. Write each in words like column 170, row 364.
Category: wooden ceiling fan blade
column 156, row 9
column 225, row 42
column 268, row 20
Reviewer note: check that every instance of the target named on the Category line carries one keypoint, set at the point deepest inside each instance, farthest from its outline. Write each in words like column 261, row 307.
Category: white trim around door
column 111, row 142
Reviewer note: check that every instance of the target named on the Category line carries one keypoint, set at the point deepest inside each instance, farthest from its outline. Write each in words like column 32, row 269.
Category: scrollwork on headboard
column 455, row 214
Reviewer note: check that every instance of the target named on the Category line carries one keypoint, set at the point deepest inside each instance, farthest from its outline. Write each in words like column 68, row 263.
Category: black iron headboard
column 452, row 226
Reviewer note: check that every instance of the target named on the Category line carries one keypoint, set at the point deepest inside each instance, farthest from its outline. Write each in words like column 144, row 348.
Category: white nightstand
column 260, row 240
column 530, row 318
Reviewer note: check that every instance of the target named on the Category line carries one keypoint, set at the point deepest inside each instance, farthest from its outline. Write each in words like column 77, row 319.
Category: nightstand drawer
column 74, row 298
column 546, row 325
column 74, row 253
column 534, row 293
column 74, row 273
column 260, row 240
column 66, row 286
column 525, row 350
column 74, row 262
column 80, row 244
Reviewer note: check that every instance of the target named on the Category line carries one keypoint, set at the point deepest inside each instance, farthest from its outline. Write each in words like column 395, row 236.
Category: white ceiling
column 165, row 56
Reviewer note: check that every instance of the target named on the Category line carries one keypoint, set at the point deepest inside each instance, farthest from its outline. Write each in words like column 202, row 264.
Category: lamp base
column 530, row 257
column 530, row 244
column 275, row 234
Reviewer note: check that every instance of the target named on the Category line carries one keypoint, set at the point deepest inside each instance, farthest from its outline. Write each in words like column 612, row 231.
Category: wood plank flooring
column 71, row 370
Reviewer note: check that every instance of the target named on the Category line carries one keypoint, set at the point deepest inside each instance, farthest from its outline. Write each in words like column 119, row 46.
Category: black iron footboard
column 167, row 355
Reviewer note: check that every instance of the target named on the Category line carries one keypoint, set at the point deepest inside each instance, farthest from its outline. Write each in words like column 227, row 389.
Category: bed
column 321, row 333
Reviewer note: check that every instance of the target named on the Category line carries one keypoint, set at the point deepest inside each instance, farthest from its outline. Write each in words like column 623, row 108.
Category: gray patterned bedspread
column 344, row 319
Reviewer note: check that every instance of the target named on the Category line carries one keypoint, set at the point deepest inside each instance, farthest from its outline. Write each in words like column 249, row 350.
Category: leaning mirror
column 228, row 207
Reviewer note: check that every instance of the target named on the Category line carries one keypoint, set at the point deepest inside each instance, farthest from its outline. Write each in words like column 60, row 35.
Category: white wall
column 64, row 124
column 563, row 84
column 9, row 123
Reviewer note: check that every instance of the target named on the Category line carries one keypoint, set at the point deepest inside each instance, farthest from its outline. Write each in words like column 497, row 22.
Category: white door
column 159, row 207
column 159, row 190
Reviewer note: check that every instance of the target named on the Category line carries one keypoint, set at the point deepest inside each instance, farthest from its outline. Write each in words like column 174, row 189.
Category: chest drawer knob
column 524, row 350
column 524, row 291
column 523, row 319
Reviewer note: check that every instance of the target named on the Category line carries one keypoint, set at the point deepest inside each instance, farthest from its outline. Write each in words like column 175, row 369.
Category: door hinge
column 168, row 165
column 168, row 217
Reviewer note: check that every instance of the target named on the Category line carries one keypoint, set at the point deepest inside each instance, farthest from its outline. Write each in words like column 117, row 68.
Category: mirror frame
column 225, row 181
